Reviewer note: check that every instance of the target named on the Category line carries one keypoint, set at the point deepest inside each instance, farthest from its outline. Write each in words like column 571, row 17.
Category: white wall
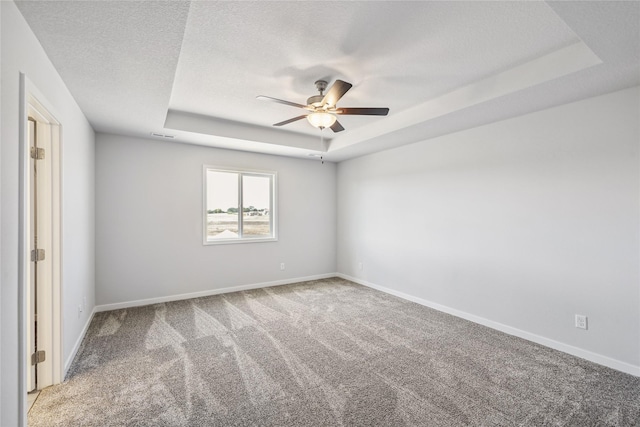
column 1, row 269
column 523, row 222
column 21, row 52
column 149, row 208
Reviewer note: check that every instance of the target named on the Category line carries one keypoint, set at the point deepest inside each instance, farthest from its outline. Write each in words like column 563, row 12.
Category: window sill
column 239, row 241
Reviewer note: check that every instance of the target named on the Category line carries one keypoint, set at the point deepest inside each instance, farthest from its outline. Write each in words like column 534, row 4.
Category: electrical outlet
column 282, row 266
column 79, row 311
column 581, row 321
column 360, row 266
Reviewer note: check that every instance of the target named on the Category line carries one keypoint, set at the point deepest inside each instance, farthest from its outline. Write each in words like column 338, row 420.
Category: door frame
column 31, row 99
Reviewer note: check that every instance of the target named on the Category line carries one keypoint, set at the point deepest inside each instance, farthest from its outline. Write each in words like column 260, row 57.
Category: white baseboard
column 149, row 301
column 547, row 342
column 76, row 346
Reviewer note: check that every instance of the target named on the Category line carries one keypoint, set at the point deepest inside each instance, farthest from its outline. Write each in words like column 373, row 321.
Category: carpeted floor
column 323, row 353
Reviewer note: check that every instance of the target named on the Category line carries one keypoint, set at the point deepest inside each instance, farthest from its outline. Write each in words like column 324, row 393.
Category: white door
column 39, row 291
column 31, row 288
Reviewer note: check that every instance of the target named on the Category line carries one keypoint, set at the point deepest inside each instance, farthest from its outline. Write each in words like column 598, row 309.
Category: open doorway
column 41, row 333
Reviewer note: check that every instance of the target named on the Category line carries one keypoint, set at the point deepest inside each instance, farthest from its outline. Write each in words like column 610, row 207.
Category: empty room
column 304, row 213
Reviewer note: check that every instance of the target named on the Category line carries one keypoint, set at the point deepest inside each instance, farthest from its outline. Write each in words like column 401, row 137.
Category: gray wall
column 21, row 52
column 523, row 222
column 149, row 206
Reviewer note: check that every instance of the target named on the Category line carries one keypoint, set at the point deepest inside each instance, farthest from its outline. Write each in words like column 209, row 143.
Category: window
column 239, row 206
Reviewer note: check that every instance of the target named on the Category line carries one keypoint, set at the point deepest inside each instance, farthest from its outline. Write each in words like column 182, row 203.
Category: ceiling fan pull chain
column 321, row 146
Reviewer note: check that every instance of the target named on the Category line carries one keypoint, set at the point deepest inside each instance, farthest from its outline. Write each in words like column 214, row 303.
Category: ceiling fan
column 323, row 109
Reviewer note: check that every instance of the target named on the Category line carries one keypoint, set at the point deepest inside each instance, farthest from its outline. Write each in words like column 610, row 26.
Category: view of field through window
column 224, row 190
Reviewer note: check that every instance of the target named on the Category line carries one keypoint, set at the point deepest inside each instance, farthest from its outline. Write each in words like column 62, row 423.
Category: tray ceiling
column 192, row 70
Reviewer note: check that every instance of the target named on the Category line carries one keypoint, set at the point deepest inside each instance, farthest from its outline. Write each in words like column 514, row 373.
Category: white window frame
column 273, row 209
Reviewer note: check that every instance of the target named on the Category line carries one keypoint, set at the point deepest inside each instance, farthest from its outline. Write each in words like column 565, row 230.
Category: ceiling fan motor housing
column 315, row 100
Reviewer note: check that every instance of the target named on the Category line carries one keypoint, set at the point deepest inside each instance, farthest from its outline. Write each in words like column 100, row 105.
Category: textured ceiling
column 118, row 59
column 396, row 55
column 193, row 69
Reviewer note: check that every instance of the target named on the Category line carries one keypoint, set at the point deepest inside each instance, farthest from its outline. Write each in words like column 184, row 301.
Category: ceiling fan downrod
column 316, row 100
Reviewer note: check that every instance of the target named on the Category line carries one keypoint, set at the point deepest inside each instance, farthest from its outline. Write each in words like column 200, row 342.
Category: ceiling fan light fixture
column 322, row 109
column 321, row 119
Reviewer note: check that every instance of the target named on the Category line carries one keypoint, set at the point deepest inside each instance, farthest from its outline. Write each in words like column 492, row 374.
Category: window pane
column 256, row 196
column 228, row 195
column 222, row 205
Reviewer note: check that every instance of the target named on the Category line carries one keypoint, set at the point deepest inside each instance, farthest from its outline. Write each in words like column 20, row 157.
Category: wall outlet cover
column 581, row 321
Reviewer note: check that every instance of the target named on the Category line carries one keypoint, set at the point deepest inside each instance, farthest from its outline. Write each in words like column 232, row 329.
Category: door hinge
column 37, row 255
column 37, row 153
column 38, row 357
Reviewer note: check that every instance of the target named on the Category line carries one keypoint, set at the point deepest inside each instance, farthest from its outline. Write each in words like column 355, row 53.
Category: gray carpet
column 323, row 353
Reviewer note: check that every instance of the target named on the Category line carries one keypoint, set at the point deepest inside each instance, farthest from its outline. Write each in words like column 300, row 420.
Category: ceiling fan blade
column 281, row 101
column 336, row 127
column 286, row 122
column 336, row 92
column 363, row 111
